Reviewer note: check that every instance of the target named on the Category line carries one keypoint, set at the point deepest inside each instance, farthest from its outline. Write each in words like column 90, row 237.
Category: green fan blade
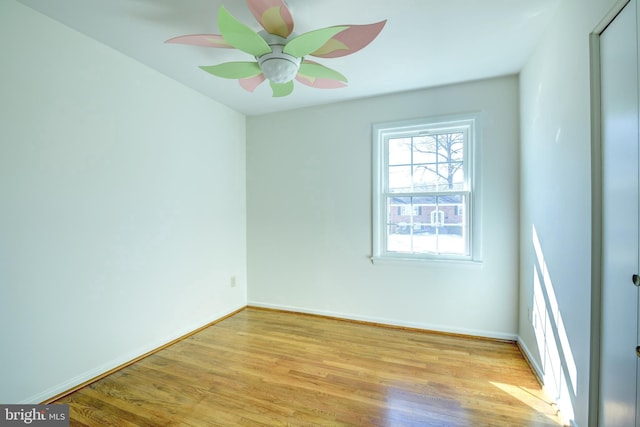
column 240, row 36
column 234, row 70
column 309, row 42
column 311, row 69
column 282, row 89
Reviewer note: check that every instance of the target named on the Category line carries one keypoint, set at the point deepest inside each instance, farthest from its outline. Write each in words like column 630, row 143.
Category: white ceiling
column 425, row 43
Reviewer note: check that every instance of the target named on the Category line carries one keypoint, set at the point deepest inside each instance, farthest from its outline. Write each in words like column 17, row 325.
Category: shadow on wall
column 558, row 365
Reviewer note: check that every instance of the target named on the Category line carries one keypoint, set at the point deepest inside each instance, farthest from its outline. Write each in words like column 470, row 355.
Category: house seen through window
column 423, row 189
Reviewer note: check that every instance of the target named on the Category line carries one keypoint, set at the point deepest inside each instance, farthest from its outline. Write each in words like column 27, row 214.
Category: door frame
column 596, row 210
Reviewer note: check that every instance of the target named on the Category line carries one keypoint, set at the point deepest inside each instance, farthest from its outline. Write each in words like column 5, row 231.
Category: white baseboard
column 113, row 364
column 390, row 322
column 540, row 374
column 537, row 370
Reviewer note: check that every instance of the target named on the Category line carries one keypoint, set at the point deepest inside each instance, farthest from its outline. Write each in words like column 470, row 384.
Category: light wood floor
column 267, row 368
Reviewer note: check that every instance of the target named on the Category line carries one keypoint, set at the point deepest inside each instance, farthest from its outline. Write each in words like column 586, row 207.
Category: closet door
column 619, row 362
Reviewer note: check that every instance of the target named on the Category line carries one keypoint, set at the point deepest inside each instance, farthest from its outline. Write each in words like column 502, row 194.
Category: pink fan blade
column 350, row 40
column 206, row 40
column 252, row 83
column 320, row 83
column 273, row 15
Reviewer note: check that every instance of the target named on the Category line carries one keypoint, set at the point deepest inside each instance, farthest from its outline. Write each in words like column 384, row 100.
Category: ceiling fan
column 279, row 53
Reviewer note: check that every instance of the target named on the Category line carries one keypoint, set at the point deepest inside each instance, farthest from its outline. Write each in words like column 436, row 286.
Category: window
column 424, row 189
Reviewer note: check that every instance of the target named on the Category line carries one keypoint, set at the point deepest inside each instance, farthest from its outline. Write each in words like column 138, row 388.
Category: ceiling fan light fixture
column 279, row 67
column 279, row 53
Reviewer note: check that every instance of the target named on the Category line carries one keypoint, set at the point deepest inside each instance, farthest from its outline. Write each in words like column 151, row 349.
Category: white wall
column 309, row 215
column 122, row 208
column 556, row 201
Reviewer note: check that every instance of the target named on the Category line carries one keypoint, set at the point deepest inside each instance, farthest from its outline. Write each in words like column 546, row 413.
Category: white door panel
column 619, row 363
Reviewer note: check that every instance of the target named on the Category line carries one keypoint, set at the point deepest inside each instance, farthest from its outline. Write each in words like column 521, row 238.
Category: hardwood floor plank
column 270, row 368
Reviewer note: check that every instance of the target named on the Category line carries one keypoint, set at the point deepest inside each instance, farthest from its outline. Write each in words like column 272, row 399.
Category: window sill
column 423, row 261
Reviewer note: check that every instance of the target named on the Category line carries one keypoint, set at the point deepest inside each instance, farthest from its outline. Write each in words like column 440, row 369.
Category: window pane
column 399, row 179
column 399, row 213
column 424, row 149
column 436, row 159
column 452, row 235
column 424, row 178
column 458, row 177
column 451, row 176
column 427, row 225
column 400, row 151
column 450, row 146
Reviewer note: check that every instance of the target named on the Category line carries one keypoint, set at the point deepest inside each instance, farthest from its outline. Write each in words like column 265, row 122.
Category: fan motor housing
column 277, row 66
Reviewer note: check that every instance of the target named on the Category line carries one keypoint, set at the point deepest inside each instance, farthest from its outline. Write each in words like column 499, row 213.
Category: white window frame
column 382, row 132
